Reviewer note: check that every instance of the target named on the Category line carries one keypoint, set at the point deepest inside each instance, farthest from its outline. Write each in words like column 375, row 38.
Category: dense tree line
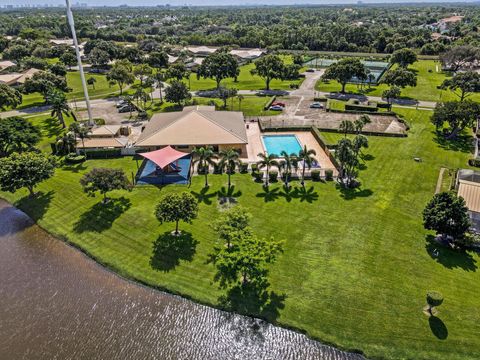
column 340, row 28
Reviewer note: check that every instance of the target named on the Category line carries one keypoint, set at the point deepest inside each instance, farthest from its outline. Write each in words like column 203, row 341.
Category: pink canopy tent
column 164, row 156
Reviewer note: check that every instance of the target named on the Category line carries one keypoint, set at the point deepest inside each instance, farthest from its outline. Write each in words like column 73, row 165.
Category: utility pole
column 79, row 61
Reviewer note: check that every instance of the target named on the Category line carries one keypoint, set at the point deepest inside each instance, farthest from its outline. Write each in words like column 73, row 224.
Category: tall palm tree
column 81, row 131
column 288, row 163
column 307, row 157
column 240, row 98
column 267, row 161
column 204, row 157
column 228, row 160
column 59, row 105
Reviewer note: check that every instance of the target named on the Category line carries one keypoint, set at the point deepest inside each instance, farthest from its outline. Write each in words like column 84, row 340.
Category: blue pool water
column 275, row 144
column 150, row 174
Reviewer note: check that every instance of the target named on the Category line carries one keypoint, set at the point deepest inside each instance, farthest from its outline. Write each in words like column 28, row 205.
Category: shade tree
column 269, row 67
column 463, row 84
column 403, row 57
column 9, row 97
column 177, row 207
column 447, row 215
column 17, row 135
column 457, row 115
column 218, row 66
column 25, row 170
column 177, row 93
column 104, row 180
column 344, row 70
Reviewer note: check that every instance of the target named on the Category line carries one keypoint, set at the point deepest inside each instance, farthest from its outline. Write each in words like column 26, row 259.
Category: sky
column 214, row 2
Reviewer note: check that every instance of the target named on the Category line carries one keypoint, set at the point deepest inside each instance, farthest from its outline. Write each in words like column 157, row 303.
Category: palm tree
column 288, row 163
column 91, row 81
column 204, row 157
column 360, row 123
column 240, row 98
column 59, row 105
column 307, row 157
column 160, row 78
column 267, row 161
column 80, row 131
column 346, row 126
column 228, row 160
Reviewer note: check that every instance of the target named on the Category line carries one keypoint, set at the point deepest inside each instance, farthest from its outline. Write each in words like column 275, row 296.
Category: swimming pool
column 275, row 144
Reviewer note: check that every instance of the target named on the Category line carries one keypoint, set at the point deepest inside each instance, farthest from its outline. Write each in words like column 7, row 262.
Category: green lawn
column 251, row 105
column 426, row 88
column 356, row 265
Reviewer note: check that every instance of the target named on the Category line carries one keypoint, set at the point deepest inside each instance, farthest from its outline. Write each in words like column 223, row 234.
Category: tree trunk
column 206, row 177
column 176, row 227
column 267, row 82
column 31, row 192
column 218, row 83
column 267, row 178
column 303, row 174
column 60, row 118
column 343, row 87
column 121, row 88
column 229, row 183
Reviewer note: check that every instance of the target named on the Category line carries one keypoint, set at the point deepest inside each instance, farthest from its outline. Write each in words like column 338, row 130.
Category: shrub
column 99, row 121
column 217, row 169
column 315, row 175
column 273, row 176
column 254, row 168
column 243, row 168
column 202, row 170
column 434, row 298
column 258, row 176
column 474, row 162
column 73, row 158
column 329, row 175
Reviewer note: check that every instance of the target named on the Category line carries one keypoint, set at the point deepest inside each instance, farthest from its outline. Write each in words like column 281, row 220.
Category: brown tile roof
column 194, row 126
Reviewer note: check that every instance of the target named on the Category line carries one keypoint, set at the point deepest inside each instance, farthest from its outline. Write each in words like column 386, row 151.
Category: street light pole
column 79, row 61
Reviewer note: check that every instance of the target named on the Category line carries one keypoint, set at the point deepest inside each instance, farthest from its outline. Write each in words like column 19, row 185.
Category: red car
column 277, row 103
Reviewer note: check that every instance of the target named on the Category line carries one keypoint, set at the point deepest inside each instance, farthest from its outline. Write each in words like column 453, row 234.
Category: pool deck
column 255, row 144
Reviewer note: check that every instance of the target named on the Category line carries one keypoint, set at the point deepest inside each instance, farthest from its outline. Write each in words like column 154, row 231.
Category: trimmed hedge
column 102, row 153
column 273, row 176
column 356, row 105
column 474, row 162
column 258, row 176
column 243, row 168
column 270, row 102
column 315, row 175
column 329, row 175
column 73, row 158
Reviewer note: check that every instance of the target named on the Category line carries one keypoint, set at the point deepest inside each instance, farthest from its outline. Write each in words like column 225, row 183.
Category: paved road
column 306, row 90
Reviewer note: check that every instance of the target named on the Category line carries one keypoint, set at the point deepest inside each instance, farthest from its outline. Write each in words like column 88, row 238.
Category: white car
column 316, row 105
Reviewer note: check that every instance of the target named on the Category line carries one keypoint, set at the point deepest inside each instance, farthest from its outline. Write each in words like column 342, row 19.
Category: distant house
column 6, row 64
column 195, row 126
column 16, row 79
column 444, row 25
column 247, row 54
column 59, row 42
column 201, row 50
column 194, row 63
column 172, row 59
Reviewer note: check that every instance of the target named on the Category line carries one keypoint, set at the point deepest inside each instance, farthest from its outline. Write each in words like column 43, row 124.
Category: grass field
column 356, row 265
column 102, row 89
column 427, row 81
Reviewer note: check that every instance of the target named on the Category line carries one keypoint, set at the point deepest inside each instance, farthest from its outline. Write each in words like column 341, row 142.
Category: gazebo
column 164, row 166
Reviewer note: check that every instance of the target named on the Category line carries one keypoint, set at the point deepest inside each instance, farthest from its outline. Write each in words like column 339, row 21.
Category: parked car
column 276, row 108
column 127, row 108
column 278, row 103
column 121, row 103
column 316, row 105
column 310, row 70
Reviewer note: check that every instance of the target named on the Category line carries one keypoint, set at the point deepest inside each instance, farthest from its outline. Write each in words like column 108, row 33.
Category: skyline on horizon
column 132, row 3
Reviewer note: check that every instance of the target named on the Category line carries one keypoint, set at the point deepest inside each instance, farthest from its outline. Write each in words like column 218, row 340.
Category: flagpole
column 79, row 61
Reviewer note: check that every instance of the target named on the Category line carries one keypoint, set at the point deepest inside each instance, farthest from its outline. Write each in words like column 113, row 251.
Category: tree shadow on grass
column 367, row 157
column 309, row 195
column 254, row 299
column 438, row 327
column 75, row 168
column 449, row 258
column 169, row 249
column 463, row 143
column 36, row 206
column 204, row 196
column 269, row 194
column 52, row 128
column 101, row 216
column 353, row 193
column 228, row 195
column 288, row 193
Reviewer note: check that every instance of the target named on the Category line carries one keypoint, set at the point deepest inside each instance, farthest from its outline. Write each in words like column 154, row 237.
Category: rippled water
column 55, row 303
